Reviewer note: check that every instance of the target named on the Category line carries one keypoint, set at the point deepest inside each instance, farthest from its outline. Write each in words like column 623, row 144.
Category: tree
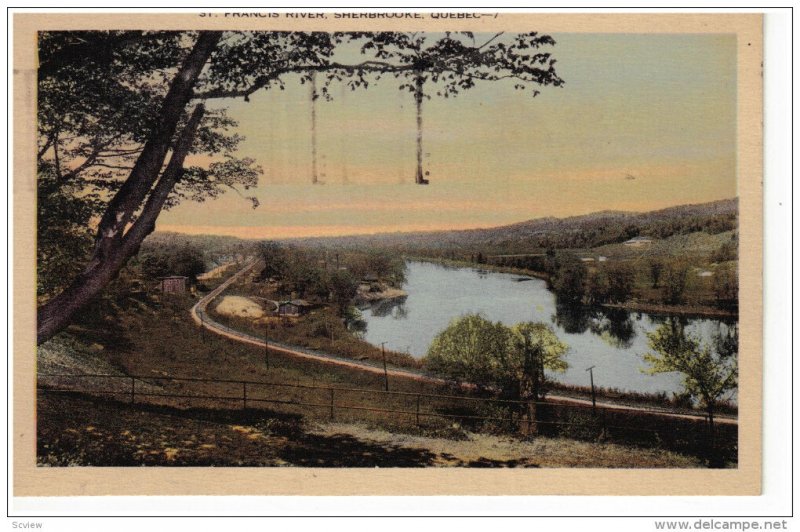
column 385, row 266
column 154, row 265
column 674, row 282
column 534, row 348
column 709, row 370
column 569, row 278
column 726, row 252
column 726, row 286
column 471, row 349
column 63, row 233
column 656, row 268
column 300, row 276
column 489, row 354
column 161, row 261
column 120, row 111
column 343, row 288
column 612, row 283
column 274, row 257
column 621, row 281
column 187, row 261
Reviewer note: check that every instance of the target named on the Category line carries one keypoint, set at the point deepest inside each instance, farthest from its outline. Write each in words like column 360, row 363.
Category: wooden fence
column 401, row 408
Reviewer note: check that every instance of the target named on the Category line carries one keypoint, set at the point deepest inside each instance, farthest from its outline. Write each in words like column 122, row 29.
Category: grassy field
column 78, row 431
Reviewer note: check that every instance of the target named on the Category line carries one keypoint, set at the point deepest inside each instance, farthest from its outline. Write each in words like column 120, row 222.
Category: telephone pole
column 591, row 381
column 266, row 343
column 385, row 372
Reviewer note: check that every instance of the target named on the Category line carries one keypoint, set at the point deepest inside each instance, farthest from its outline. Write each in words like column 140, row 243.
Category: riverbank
column 650, row 307
column 480, row 266
column 661, row 309
column 366, row 295
column 321, row 331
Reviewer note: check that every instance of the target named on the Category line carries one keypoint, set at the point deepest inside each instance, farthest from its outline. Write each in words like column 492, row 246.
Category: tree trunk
column 145, row 171
column 712, row 452
column 113, row 247
column 532, row 372
column 58, row 311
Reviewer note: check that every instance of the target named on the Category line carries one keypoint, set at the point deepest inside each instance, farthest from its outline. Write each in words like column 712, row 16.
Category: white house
column 639, row 241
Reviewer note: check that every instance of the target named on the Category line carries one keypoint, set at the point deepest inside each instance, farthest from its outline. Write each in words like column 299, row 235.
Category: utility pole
column 591, row 380
column 385, row 372
column 314, row 175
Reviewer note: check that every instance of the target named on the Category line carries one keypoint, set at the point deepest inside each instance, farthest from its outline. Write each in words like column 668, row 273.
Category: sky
column 642, row 122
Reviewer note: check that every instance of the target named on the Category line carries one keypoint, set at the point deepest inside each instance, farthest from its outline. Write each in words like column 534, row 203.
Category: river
column 613, row 342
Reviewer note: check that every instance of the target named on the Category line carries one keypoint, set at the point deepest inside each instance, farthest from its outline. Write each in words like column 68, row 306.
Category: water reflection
column 616, row 327
column 573, row 319
column 396, row 308
column 614, row 340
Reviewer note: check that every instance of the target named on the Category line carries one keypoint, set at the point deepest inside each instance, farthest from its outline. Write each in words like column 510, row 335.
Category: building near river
column 293, row 308
column 638, row 241
column 174, row 284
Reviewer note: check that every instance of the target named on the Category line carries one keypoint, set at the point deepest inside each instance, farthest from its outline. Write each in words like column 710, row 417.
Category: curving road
column 200, row 316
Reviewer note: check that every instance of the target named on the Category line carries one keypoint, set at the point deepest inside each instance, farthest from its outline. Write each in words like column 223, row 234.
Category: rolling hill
column 586, row 231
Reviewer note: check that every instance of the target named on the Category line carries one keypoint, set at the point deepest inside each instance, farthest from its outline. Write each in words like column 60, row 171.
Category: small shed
column 174, row 284
column 293, row 308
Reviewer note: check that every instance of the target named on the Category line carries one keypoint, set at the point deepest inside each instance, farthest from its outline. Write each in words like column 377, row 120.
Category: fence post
column 332, row 404
column 133, row 390
column 418, row 398
column 532, row 418
column 603, row 421
column 244, row 395
column 385, row 372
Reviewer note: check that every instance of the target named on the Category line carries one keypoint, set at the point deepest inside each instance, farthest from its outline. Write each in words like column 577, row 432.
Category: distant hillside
column 587, row 231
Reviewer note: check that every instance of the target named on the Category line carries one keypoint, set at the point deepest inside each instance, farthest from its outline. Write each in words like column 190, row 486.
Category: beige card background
column 30, row 480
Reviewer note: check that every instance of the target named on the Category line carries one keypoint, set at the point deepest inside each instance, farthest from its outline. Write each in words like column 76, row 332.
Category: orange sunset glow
column 643, row 122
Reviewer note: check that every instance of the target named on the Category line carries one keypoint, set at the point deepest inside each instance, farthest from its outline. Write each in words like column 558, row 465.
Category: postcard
column 387, row 253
